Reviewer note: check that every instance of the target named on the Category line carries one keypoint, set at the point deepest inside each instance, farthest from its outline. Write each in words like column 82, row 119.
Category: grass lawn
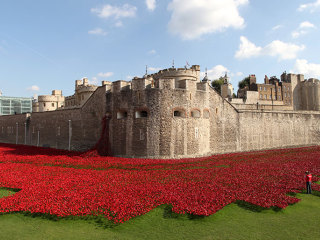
column 235, row 221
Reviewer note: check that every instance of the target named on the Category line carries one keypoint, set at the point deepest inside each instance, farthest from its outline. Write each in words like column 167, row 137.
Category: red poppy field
column 65, row 183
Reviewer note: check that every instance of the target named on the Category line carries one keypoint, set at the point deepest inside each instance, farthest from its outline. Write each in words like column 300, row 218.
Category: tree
column 216, row 84
column 244, row 82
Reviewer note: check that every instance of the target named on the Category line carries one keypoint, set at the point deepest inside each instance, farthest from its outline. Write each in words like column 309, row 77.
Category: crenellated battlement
column 192, row 73
column 175, row 78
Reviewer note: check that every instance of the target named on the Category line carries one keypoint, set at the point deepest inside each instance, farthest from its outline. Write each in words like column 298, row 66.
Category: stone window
column 178, row 113
column 44, row 104
column 52, row 104
column 285, row 94
column 122, row 115
column 265, row 96
column 264, row 88
column 195, row 113
column 206, row 114
column 288, row 94
column 270, row 97
column 141, row 114
column 261, row 96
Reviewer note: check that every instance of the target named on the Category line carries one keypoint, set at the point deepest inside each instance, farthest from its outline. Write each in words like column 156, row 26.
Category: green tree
column 244, row 82
column 216, row 84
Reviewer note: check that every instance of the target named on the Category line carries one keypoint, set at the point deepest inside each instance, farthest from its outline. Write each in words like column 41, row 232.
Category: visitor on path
column 308, row 181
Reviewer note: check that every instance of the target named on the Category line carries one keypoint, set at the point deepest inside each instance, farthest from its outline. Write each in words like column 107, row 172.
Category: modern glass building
column 15, row 105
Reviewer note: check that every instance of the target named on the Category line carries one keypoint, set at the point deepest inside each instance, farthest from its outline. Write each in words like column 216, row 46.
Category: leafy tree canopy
column 244, row 82
column 216, row 84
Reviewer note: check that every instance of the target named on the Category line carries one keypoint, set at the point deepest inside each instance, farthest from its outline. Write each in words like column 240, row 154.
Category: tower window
column 177, row 113
column 122, row 115
column 195, row 113
column 141, row 114
column 206, row 114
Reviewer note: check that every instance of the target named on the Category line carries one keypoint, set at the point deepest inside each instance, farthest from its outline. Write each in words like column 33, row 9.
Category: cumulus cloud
column 306, row 24
column 309, row 6
column 191, row 19
column 105, row 75
column 276, row 48
column 215, row 72
column 108, row 11
column 33, row 88
column 247, row 49
column 151, row 4
column 302, row 29
column 306, row 68
column 98, row 31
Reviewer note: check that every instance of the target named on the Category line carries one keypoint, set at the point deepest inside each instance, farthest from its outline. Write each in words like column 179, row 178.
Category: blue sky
column 46, row 45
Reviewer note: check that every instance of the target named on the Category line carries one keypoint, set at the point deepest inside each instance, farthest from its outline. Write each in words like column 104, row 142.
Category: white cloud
column 306, row 24
column 94, row 81
column 277, row 27
column 302, row 29
column 276, row 48
column 151, row 4
column 98, row 31
column 105, row 75
column 216, row 72
column 108, row 11
column 247, row 49
column 283, row 50
column 33, row 88
column 309, row 6
column 152, row 52
column 154, row 69
column 191, row 19
column 296, row 33
column 239, row 74
column 309, row 69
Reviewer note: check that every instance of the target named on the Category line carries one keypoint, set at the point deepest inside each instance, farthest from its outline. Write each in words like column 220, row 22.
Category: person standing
column 308, row 182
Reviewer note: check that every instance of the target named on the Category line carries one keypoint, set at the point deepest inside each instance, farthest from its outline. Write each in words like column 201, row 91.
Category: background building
column 15, row 105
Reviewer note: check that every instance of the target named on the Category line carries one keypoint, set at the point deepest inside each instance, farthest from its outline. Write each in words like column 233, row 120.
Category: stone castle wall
column 162, row 117
column 51, row 129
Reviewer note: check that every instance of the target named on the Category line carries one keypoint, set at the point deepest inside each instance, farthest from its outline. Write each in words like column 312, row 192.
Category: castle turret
column 226, row 88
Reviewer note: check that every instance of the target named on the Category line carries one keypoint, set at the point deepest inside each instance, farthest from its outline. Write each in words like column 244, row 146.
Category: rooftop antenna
column 173, row 63
column 146, row 75
column 206, row 72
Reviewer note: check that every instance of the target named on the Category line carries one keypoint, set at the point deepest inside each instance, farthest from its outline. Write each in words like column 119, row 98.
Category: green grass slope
column 235, row 221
